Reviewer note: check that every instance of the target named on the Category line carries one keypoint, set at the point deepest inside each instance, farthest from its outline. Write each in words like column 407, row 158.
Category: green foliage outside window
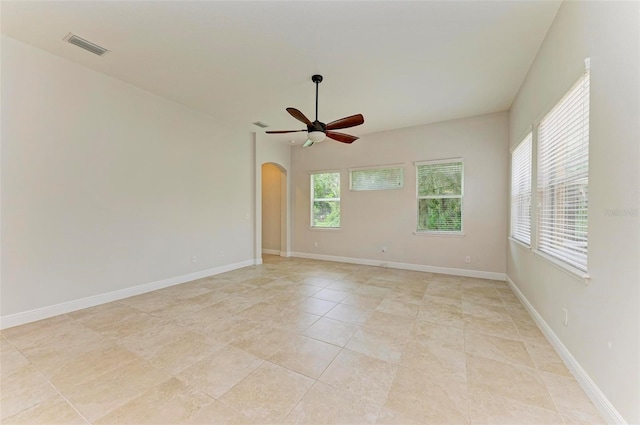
column 326, row 199
column 442, row 215
column 440, row 197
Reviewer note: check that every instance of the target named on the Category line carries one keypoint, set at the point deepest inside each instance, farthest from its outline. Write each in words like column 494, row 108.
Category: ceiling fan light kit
column 316, row 136
column 317, row 131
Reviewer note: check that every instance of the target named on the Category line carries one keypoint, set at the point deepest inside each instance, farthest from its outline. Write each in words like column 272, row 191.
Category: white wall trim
column 271, row 251
column 29, row 316
column 404, row 266
column 598, row 398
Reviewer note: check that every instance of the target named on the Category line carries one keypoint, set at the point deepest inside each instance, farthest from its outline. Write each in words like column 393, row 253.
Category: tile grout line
column 64, row 397
column 39, row 371
column 535, row 364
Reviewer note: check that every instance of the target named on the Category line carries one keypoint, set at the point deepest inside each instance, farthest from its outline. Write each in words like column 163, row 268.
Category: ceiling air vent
column 261, row 124
column 85, row 44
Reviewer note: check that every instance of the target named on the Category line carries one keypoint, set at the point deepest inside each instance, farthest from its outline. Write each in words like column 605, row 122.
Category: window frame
column 313, row 199
column 380, row 168
column 461, row 197
column 556, row 260
column 528, row 139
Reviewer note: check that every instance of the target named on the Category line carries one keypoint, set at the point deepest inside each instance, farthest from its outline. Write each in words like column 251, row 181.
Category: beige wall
column 373, row 219
column 271, row 209
column 105, row 186
column 607, row 310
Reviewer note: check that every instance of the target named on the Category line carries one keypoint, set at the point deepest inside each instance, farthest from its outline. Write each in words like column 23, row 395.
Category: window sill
column 566, row 268
column 322, row 229
column 521, row 244
column 444, row 234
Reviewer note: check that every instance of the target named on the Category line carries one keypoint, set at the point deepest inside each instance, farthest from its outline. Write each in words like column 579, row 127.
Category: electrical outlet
column 315, row 244
column 467, row 259
column 566, row 316
column 384, row 249
column 194, row 259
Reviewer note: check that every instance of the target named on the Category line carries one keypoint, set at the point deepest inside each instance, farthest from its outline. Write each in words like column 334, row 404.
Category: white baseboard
column 29, row 316
column 276, row 252
column 404, row 266
column 600, row 401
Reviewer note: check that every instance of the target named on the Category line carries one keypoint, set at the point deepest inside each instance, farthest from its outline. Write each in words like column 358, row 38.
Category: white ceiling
column 398, row 63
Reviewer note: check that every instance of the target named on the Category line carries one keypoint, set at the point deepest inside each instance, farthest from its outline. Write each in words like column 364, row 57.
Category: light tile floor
column 294, row 341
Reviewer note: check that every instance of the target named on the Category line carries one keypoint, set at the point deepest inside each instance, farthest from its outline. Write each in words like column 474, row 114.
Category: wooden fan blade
column 341, row 137
column 283, row 131
column 298, row 115
column 346, row 122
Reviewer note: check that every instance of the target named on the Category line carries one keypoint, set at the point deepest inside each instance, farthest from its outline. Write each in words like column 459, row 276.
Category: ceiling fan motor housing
column 317, row 126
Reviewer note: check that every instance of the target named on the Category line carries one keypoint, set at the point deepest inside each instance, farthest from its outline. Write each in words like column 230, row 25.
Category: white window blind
column 521, row 191
column 325, row 200
column 380, row 178
column 563, row 177
column 439, row 185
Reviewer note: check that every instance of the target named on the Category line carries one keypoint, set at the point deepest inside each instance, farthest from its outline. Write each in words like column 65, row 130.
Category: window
column 439, row 186
column 325, row 202
column 521, row 191
column 378, row 178
column 563, row 177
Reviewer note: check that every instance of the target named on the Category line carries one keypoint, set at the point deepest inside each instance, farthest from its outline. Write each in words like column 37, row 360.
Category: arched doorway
column 274, row 209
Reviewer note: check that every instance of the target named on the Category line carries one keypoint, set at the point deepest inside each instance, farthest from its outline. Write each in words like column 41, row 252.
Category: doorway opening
column 274, row 209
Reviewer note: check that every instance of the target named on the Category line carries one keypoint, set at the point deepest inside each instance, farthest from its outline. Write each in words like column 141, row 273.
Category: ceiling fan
column 316, row 130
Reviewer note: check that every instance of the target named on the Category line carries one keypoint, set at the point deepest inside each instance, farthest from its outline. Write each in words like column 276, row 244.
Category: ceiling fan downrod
column 316, row 79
